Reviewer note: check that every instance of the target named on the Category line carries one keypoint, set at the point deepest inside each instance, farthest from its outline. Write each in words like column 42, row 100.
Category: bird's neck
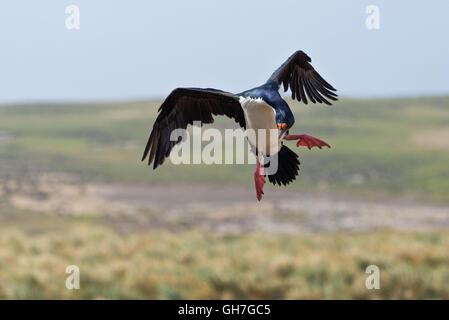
column 284, row 114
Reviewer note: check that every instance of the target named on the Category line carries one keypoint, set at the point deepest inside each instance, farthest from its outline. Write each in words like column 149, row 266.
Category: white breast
column 259, row 115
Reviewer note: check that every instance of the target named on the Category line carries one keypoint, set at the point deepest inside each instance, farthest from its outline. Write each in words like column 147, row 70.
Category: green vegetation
column 394, row 146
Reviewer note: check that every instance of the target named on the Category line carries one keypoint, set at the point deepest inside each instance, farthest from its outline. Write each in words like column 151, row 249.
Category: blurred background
column 77, row 105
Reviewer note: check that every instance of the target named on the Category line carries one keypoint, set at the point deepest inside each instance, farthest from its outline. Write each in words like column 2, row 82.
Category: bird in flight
column 258, row 108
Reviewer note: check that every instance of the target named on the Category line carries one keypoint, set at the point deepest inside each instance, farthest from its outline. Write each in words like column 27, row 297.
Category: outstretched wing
column 182, row 107
column 303, row 79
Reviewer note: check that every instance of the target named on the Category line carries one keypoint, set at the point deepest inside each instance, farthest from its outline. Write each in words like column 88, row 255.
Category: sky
column 144, row 49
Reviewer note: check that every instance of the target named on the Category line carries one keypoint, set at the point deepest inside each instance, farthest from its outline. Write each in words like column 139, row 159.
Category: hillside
column 73, row 191
column 394, row 147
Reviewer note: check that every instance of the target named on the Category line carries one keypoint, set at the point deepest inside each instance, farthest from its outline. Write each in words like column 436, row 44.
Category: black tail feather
column 288, row 167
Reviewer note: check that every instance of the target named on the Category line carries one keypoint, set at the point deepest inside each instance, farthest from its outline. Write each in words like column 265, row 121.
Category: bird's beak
column 282, row 133
column 282, row 129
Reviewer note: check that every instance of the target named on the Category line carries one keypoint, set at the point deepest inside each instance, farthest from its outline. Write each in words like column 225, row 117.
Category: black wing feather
column 298, row 74
column 181, row 108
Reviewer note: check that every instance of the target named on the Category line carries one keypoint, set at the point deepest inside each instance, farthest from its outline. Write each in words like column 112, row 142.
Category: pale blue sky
column 144, row 49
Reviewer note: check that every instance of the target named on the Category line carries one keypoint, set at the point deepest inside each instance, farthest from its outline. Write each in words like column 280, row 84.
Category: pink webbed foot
column 259, row 179
column 306, row 140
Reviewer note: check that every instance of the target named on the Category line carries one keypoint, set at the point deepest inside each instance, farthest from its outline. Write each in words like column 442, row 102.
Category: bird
column 261, row 107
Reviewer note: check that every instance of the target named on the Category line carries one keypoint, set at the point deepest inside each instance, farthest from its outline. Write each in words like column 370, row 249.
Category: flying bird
column 258, row 108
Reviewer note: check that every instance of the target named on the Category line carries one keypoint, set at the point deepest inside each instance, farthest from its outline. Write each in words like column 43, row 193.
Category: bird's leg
column 259, row 179
column 306, row 140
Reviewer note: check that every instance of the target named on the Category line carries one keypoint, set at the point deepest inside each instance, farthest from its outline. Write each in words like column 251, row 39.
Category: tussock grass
column 197, row 265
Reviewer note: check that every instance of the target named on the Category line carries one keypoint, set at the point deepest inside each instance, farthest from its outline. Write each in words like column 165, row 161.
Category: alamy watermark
column 72, row 21
column 372, row 21
column 206, row 146
column 373, row 280
column 73, row 280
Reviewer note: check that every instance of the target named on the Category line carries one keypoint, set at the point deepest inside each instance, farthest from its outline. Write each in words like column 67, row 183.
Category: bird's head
column 283, row 128
column 284, row 120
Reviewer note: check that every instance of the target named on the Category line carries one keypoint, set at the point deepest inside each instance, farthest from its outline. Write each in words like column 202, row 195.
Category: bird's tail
column 288, row 167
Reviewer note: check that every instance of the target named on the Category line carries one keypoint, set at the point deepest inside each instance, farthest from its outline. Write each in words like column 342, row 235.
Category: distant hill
column 395, row 147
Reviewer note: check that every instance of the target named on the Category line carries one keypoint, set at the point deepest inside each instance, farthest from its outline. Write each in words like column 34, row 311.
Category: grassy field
column 381, row 149
column 163, row 265
column 394, row 146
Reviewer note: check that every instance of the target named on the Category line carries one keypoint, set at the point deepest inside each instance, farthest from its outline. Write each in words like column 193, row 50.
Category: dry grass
column 197, row 265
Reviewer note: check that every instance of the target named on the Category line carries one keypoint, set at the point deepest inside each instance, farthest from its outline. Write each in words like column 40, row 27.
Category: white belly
column 259, row 115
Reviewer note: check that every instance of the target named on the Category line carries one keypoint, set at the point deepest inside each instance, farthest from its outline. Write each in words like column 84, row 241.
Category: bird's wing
column 182, row 107
column 303, row 79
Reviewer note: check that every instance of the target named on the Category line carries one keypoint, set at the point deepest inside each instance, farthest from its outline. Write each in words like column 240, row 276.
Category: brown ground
column 432, row 139
column 220, row 209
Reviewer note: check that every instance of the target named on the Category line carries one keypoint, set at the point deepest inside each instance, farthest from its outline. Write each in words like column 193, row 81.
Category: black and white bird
column 258, row 108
